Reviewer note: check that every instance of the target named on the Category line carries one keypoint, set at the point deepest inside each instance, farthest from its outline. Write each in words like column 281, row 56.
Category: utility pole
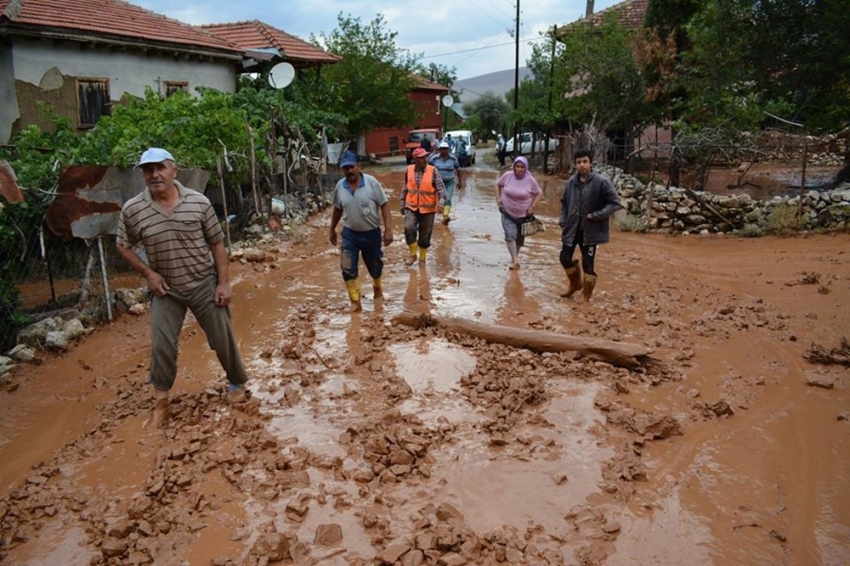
column 516, row 85
column 549, row 105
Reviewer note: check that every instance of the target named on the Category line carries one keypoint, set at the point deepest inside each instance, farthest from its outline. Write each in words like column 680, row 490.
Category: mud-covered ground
column 365, row 442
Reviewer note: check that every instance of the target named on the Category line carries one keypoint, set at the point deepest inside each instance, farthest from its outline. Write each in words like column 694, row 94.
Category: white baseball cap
column 444, row 145
column 154, row 155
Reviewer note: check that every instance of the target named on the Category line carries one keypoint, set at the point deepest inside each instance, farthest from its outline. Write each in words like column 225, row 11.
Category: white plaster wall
column 127, row 72
column 8, row 102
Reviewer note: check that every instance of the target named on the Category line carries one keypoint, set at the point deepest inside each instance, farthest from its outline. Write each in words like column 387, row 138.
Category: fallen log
column 621, row 354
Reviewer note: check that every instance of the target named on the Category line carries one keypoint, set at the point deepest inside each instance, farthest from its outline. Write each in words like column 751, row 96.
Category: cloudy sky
column 474, row 36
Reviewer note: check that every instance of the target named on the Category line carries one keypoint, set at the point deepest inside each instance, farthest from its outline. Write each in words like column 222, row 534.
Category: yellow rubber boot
column 574, row 276
column 423, row 253
column 589, row 284
column 414, row 248
column 446, row 210
column 353, row 286
column 377, row 289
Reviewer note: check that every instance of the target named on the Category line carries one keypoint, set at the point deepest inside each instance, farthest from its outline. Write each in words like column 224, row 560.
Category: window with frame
column 171, row 87
column 93, row 101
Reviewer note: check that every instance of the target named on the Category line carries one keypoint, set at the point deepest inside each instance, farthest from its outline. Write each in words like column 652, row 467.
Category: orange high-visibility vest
column 424, row 197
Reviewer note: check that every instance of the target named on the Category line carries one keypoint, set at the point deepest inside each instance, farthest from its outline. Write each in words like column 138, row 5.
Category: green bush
column 750, row 231
column 630, row 223
column 783, row 220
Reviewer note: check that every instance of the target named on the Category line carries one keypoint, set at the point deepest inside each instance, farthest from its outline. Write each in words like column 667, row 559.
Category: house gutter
column 59, row 34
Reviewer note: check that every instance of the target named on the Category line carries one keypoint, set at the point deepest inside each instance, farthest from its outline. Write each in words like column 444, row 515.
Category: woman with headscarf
column 517, row 194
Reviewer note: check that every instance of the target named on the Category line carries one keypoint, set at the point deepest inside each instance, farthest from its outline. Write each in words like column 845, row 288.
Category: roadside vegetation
column 716, row 71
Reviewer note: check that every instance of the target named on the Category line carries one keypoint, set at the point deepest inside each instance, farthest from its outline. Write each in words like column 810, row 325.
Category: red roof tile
column 108, row 19
column 424, row 84
column 255, row 34
column 631, row 14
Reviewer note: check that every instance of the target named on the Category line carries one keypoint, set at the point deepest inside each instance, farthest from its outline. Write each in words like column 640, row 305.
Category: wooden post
column 803, row 178
column 106, row 294
column 257, row 208
column 223, row 201
column 84, row 295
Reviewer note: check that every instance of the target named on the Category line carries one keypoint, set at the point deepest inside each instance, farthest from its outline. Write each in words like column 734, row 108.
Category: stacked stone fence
column 656, row 208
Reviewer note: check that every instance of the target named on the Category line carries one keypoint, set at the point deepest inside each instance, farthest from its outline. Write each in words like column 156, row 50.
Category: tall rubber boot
column 446, row 210
column 574, row 276
column 423, row 253
column 353, row 286
column 377, row 289
column 587, row 287
column 414, row 249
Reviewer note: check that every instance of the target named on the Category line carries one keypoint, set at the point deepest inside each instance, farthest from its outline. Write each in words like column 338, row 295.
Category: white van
column 469, row 137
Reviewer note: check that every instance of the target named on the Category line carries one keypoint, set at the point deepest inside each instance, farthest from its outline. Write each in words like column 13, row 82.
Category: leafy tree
column 736, row 59
column 799, row 52
column 490, row 111
column 372, row 83
column 540, row 107
column 715, row 69
column 440, row 74
column 598, row 79
column 669, row 17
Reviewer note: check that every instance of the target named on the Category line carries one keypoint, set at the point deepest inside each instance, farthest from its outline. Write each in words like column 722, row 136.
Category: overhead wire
column 476, row 49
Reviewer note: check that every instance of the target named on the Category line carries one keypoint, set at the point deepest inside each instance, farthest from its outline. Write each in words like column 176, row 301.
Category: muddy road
column 364, row 442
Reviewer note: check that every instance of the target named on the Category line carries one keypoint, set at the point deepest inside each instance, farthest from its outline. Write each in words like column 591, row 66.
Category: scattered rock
column 822, row 381
column 22, row 353
column 328, row 535
column 272, row 545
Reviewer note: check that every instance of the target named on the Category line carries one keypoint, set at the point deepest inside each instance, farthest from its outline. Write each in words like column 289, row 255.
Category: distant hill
column 500, row 83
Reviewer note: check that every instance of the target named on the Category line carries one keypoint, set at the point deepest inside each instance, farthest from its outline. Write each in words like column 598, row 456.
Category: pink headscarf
column 522, row 160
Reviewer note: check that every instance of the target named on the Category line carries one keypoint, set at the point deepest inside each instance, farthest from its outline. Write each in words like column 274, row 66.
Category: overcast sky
column 470, row 35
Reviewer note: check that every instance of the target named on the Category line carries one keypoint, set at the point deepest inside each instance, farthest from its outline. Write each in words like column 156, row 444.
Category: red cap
column 419, row 152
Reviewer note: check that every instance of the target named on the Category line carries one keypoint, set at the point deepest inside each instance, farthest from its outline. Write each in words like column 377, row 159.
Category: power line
column 490, row 2
column 482, row 48
column 485, row 12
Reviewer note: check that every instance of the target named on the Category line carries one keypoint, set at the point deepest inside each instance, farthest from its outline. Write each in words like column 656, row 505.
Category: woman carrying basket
column 517, row 194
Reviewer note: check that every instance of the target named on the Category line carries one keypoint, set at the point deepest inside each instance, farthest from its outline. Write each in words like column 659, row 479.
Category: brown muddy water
column 421, row 446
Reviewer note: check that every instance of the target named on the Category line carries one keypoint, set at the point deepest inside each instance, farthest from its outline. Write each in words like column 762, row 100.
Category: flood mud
column 365, row 442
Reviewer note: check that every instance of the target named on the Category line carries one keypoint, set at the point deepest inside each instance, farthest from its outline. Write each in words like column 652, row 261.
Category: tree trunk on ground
column 621, row 354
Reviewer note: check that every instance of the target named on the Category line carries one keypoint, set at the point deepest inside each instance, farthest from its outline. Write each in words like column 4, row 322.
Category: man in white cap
column 449, row 168
column 187, row 269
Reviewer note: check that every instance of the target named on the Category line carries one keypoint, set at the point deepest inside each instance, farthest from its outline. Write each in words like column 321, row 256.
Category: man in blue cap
column 449, row 168
column 186, row 268
column 361, row 203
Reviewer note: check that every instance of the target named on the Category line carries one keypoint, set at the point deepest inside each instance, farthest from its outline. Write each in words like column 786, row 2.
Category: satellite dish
column 448, row 100
column 281, row 75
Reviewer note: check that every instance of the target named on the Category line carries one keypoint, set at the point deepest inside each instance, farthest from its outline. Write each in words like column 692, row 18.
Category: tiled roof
column 109, row 20
column 631, row 14
column 255, row 34
column 424, row 84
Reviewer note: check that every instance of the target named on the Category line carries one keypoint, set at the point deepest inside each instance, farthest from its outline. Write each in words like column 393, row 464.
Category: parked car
column 525, row 143
column 414, row 140
column 469, row 138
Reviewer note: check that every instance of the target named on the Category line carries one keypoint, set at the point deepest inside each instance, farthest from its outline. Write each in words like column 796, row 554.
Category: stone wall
column 683, row 210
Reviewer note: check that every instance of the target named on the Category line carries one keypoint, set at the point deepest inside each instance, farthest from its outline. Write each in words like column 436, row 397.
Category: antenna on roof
column 281, row 75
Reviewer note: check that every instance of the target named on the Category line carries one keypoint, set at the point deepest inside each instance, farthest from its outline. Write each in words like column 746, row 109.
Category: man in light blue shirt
column 361, row 203
column 449, row 168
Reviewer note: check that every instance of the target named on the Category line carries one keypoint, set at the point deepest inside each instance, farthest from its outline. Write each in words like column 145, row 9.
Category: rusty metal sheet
column 89, row 198
column 9, row 183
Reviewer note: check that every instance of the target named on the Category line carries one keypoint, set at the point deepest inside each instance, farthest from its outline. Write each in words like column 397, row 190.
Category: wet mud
column 365, row 442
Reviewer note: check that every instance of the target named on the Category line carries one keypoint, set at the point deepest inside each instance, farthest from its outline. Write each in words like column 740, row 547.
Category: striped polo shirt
column 177, row 244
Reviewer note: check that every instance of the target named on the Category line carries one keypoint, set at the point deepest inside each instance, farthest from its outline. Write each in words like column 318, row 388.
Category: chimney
column 589, row 11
